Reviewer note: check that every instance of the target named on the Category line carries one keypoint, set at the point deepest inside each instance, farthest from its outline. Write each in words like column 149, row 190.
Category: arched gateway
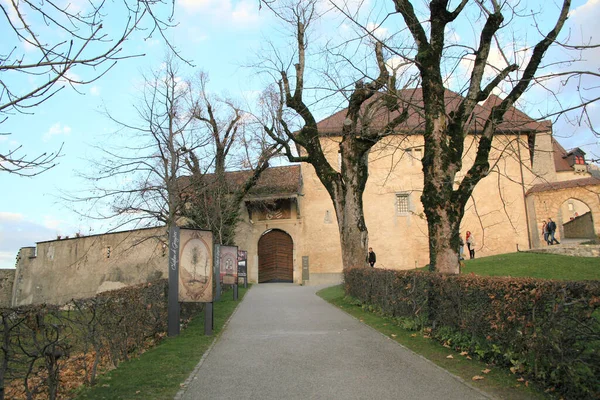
column 275, row 257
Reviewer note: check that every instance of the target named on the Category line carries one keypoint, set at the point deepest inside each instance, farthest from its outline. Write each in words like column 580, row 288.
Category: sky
column 224, row 39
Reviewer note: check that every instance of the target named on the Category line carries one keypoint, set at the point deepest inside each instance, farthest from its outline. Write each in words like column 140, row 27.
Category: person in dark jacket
column 371, row 257
column 552, row 231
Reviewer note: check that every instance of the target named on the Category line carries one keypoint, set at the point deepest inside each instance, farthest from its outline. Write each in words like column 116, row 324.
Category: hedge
column 48, row 350
column 547, row 331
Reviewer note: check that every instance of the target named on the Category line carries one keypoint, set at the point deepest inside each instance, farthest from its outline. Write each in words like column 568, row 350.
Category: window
column 402, row 203
column 418, row 154
column 415, row 154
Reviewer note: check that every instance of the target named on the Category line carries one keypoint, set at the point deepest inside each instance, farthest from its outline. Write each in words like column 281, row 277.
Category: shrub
column 47, row 350
column 546, row 330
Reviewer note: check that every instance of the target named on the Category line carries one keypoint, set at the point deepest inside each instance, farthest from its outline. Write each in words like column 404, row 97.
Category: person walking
column 552, row 231
column 545, row 231
column 461, row 246
column 471, row 245
column 371, row 258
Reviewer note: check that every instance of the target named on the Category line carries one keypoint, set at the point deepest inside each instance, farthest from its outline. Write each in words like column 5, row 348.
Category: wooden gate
column 275, row 259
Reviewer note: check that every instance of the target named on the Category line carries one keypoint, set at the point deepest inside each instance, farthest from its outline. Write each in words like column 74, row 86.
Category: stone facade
column 531, row 178
column 7, row 279
column 547, row 200
column 56, row 271
column 580, row 227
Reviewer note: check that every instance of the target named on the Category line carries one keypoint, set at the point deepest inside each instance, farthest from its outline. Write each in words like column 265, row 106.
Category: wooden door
column 275, row 260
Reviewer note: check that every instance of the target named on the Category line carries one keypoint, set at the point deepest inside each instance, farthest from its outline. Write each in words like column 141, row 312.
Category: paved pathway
column 284, row 342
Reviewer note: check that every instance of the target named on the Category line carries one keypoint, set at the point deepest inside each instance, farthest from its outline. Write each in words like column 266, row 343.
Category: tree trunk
column 441, row 162
column 346, row 191
column 354, row 236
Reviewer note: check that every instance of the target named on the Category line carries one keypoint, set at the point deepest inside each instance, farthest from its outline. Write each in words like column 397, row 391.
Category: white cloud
column 8, row 216
column 378, row 31
column 56, row 130
column 53, row 223
column 582, row 29
column 17, row 231
column 8, row 259
column 243, row 13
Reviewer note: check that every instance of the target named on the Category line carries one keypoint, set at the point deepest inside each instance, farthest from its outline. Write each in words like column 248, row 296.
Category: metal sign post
column 217, row 270
column 235, row 292
column 173, row 303
column 208, row 319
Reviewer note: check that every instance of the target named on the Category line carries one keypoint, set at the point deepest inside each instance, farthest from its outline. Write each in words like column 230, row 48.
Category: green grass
column 535, row 265
column 158, row 373
column 497, row 382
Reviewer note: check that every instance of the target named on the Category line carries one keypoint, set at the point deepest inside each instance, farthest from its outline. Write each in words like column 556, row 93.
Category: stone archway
column 275, row 257
column 577, row 220
column 545, row 200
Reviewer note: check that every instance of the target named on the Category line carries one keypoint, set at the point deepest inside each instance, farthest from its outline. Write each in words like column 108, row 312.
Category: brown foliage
column 47, row 351
column 547, row 330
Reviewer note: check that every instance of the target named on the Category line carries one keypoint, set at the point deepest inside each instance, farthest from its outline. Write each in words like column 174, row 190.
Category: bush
column 546, row 330
column 49, row 350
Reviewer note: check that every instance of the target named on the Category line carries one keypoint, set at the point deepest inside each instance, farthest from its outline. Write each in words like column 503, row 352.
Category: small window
column 418, row 154
column 402, row 203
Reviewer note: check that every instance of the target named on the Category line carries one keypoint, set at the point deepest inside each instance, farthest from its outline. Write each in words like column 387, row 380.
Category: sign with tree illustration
column 229, row 265
column 195, row 266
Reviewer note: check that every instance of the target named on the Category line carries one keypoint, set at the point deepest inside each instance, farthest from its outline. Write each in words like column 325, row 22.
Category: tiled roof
column 280, row 181
column 561, row 164
column 546, row 187
column 514, row 120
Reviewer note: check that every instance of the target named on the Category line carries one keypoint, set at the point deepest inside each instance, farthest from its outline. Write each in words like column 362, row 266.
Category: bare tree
column 435, row 56
column 36, row 51
column 214, row 195
column 367, row 99
column 445, row 132
column 137, row 181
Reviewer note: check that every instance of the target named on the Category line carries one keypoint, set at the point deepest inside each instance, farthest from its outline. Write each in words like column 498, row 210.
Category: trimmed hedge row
column 47, row 350
column 546, row 330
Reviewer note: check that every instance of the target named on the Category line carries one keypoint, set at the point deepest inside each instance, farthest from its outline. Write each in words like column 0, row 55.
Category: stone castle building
column 289, row 228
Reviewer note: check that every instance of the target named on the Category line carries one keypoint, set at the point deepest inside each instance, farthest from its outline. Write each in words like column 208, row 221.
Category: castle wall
column 496, row 215
column 550, row 204
column 56, row 271
column 249, row 232
column 7, row 279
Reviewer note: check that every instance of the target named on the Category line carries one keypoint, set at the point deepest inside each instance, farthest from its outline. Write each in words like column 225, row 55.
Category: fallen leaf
column 450, row 356
column 385, row 324
column 521, row 380
column 486, row 371
column 513, row 370
column 477, row 378
column 413, row 335
column 464, row 353
column 469, row 358
column 394, row 335
column 446, row 346
column 138, row 391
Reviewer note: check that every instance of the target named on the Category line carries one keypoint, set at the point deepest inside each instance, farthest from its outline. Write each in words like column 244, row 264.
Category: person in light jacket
column 471, row 245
